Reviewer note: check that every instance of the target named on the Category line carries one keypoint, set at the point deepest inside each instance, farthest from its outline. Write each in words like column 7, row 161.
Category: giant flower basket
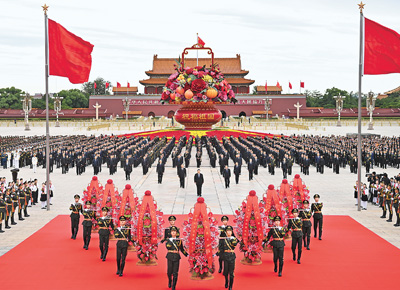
column 251, row 229
column 147, row 224
column 273, row 207
column 198, row 89
column 126, row 206
column 93, row 191
column 200, row 232
column 299, row 191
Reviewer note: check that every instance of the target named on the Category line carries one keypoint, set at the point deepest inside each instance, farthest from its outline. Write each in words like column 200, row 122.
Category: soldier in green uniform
column 277, row 233
column 167, row 231
column 2, row 212
column 105, row 223
column 9, row 205
column 75, row 209
column 173, row 245
column 15, row 200
column 22, row 202
column 88, row 216
column 123, row 235
column 305, row 215
column 387, row 202
column 228, row 245
column 396, row 200
column 297, row 234
column 316, row 209
column 222, row 234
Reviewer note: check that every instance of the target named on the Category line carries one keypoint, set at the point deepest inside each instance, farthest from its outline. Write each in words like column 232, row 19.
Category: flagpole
column 46, row 68
column 360, row 72
column 300, row 87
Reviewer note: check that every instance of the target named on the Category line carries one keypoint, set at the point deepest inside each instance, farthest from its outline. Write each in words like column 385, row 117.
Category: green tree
column 392, row 101
column 88, row 87
column 74, row 98
column 10, row 98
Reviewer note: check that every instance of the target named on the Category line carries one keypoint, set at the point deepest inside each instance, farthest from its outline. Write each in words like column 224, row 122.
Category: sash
column 147, row 202
column 109, row 190
column 93, row 188
column 252, row 207
column 272, row 196
column 200, row 214
column 284, row 190
column 127, row 193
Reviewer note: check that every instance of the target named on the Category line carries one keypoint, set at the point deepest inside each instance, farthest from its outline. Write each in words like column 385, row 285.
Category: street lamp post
column 370, row 108
column 339, row 107
column 126, row 107
column 267, row 106
column 57, row 106
column 27, row 107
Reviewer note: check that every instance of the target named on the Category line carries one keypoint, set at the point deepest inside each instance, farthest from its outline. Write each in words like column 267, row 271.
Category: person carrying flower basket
column 277, row 233
column 174, row 245
column 123, row 235
column 228, row 245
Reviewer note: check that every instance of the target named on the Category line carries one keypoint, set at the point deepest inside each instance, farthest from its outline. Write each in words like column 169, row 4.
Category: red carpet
column 349, row 257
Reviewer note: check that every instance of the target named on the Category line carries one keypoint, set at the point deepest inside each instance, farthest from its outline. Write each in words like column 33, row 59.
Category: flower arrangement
column 146, row 228
column 197, row 85
column 252, row 251
column 198, row 261
column 299, row 191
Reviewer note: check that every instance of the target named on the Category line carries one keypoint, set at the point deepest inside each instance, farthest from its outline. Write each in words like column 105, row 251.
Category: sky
column 315, row 41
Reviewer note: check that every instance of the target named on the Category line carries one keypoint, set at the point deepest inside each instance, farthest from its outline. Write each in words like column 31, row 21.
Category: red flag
column 290, row 85
column 278, row 85
column 302, row 85
column 69, row 55
column 266, row 87
column 381, row 49
column 118, row 85
column 107, row 85
column 129, row 85
column 95, row 85
column 200, row 41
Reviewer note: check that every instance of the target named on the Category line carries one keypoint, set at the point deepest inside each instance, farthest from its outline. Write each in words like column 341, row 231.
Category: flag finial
column 45, row 8
column 361, row 7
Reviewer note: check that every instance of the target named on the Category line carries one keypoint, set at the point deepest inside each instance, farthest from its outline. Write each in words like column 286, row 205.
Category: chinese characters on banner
column 198, row 117
column 157, row 102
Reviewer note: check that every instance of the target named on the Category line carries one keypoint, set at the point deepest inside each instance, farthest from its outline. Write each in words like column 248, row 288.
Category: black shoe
column 276, row 268
column 280, row 274
column 169, row 283
column 308, row 248
column 13, row 224
column 1, row 231
column 226, row 282
column 120, row 274
column 320, row 238
column 315, row 235
column 21, row 219
column 298, row 262
column 104, row 261
column 27, row 215
column 383, row 217
column 389, row 220
column 397, row 225
column 8, row 227
column 294, row 257
column 220, row 270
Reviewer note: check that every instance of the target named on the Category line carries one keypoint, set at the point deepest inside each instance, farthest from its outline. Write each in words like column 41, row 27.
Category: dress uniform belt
column 75, row 212
column 306, row 219
column 176, row 252
column 317, row 212
column 229, row 251
column 2, row 207
column 87, row 219
column 297, row 229
column 278, row 239
column 121, row 239
column 103, row 228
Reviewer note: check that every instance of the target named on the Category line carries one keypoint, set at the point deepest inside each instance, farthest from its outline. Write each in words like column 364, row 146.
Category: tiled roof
column 163, row 81
column 125, row 89
column 227, row 65
column 270, row 89
column 396, row 90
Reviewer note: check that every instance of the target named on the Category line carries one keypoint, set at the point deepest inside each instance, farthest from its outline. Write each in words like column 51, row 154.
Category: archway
column 151, row 114
column 171, row 114
column 242, row 114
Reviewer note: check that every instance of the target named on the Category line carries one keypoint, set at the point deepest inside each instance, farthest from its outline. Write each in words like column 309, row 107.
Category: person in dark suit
column 237, row 171
column 160, row 171
column 199, row 180
column 182, row 175
column 250, row 167
column 128, row 169
column 227, row 176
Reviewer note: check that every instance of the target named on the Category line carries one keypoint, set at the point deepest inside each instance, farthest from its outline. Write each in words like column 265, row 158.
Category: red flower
column 198, row 85
column 189, row 70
